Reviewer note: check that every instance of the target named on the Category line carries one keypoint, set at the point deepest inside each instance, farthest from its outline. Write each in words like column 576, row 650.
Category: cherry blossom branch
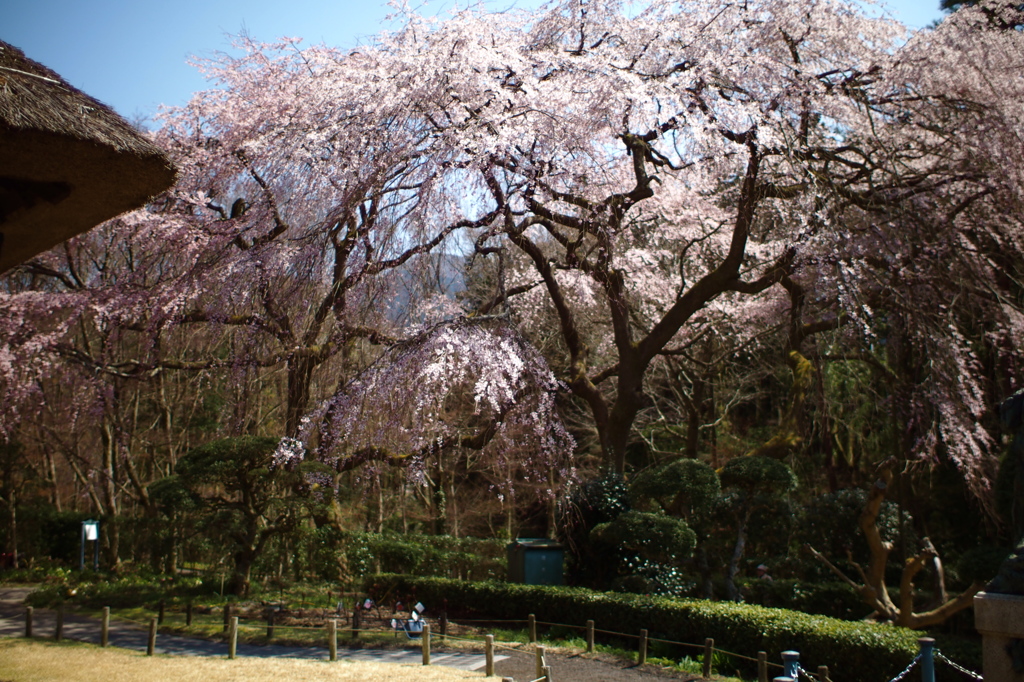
column 489, row 305
column 280, row 225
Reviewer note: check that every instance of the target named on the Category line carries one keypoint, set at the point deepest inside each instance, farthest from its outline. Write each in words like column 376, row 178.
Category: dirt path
column 130, row 635
column 578, row 667
column 517, row 664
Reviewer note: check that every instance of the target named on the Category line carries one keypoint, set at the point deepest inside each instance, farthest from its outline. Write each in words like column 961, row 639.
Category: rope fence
column 617, row 634
column 493, row 620
column 559, row 625
column 791, row 669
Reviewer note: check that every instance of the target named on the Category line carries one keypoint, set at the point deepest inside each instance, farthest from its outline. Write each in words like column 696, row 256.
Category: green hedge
column 854, row 652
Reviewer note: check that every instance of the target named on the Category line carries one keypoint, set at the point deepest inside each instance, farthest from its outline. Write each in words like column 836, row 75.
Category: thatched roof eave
column 67, row 161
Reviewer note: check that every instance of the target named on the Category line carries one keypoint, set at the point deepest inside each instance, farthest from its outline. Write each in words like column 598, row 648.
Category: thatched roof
column 67, row 161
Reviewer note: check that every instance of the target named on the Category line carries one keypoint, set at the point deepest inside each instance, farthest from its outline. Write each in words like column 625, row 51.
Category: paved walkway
column 132, row 636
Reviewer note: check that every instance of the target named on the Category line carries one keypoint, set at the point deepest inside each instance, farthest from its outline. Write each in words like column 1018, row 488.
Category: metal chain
column 800, row 671
column 959, row 668
column 906, row 670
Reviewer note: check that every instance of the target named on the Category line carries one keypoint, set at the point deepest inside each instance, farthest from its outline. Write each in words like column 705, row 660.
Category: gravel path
column 516, row 664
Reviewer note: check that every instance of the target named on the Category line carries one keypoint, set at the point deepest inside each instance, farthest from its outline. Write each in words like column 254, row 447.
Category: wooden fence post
column 546, row 673
column 151, row 644
column 28, row 621
column 233, row 638
column 823, row 673
column 332, row 638
column 539, row 668
column 227, row 616
column 59, row 632
column 105, row 627
column 590, row 636
column 426, row 643
column 188, row 614
column 489, row 655
column 641, row 657
column 762, row 666
column 160, row 613
column 709, row 653
column 532, row 620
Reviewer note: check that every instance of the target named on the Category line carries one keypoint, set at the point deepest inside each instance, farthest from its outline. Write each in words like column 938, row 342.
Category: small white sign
column 420, row 608
column 92, row 531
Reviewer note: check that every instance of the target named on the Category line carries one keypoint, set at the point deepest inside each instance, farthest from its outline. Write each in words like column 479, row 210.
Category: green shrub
column 40, row 570
column 834, row 599
column 357, row 554
column 831, row 524
column 45, row 533
column 981, row 563
column 124, row 592
column 655, row 537
column 854, row 652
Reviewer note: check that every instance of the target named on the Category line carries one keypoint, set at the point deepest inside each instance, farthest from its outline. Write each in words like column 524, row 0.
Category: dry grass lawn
column 33, row 661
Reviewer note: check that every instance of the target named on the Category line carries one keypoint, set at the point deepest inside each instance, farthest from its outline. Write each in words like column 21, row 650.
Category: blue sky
column 131, row 54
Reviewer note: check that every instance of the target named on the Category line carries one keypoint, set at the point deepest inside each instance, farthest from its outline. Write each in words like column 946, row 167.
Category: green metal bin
column 535, row 561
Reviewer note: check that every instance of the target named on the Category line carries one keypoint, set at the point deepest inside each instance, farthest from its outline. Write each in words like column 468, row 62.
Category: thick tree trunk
column 240, row 579
column 112, row 543
column 300, row 377
column 628, row 401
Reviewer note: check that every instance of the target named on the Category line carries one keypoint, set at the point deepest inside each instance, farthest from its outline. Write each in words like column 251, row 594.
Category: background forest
column 690, row 288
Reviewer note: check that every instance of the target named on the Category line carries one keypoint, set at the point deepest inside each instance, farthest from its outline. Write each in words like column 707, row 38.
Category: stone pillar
column 1000, row 620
